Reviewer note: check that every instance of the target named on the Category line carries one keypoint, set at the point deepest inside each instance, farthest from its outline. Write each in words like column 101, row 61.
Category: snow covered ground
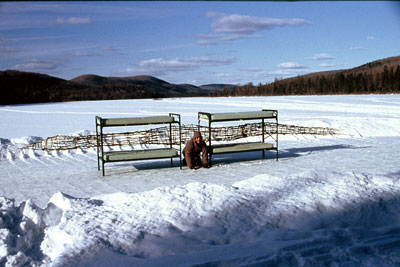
column 331, row 200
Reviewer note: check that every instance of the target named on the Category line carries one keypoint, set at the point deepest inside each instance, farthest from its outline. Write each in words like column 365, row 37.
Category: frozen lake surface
column 328, row 200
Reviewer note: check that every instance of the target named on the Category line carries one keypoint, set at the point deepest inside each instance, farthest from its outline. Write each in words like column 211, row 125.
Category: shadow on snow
column 228, row 158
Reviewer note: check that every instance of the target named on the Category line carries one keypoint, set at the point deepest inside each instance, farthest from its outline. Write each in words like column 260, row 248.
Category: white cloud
column 257, row 75
column 73, row 20
column 109, row 48
column 160, row 48
column 86, row 54
column 229, row 27
column 371, row 37
column 321, row 56
column 357, row 48
column 226, row 76
column 36, row 65
column 238, row 36
column 96, row 51
column 6, row 49
column 291, row 65
column 206, row 42
column 38, row 38
column 252, row 70
column 327, row 65
column 160, row 66
column 214, row 38
column 242, row 24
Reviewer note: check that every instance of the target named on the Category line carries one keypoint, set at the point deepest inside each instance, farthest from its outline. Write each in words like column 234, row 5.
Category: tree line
column 20, row 87
column 382, row 82
column 72, row 92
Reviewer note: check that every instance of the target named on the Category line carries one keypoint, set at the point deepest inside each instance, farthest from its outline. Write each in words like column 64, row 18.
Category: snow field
column 328, row 201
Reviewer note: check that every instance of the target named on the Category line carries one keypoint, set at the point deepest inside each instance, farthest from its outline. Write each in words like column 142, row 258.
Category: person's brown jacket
column 192, row 152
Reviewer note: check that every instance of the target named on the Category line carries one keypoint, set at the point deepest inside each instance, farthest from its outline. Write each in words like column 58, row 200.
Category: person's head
column 197, row 137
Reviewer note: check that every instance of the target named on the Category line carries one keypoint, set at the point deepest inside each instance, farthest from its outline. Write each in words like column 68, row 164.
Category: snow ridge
column 357, row 216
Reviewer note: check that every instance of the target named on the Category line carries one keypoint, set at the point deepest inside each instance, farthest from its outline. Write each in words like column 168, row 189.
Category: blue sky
column 196, row 42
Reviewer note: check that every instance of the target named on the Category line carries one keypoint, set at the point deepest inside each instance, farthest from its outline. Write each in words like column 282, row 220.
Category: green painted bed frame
column 130, row 155
column 240, row 116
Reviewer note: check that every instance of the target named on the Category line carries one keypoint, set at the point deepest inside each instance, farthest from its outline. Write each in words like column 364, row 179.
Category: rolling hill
column 217, row 87
column 150, row 83
column 378, row 77
column 18, row 87
column 373, row 67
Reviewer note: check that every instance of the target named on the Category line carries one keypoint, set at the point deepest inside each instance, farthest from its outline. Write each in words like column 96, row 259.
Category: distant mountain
column 217, row 87
column 96, row 80
column 19, row 87
column 90, row 80
column 14, row 78
column 149, row 83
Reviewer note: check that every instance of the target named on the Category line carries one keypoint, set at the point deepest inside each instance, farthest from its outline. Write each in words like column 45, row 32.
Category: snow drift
column 311, row 218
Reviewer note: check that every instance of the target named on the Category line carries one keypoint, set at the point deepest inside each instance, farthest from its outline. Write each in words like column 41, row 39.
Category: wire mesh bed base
column 161, row 135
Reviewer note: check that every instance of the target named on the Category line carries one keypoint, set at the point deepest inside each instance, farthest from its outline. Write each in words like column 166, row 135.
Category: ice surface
column 328, row 200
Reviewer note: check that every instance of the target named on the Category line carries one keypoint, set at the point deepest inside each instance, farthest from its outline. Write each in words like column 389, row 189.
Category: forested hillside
column 17, row 87
column 381, row 76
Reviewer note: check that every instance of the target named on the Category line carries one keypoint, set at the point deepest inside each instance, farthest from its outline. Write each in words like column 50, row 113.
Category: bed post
column 179, row 136
column 277, row 134
column 97, row 143
column 209, row 140
column 263, row 138
column 198, row 121
column 209, row 148
column 102, row 147
column 180, row 142
column 170, row 139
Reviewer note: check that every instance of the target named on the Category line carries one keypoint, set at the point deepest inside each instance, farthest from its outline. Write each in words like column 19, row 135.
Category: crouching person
column 192, row 151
